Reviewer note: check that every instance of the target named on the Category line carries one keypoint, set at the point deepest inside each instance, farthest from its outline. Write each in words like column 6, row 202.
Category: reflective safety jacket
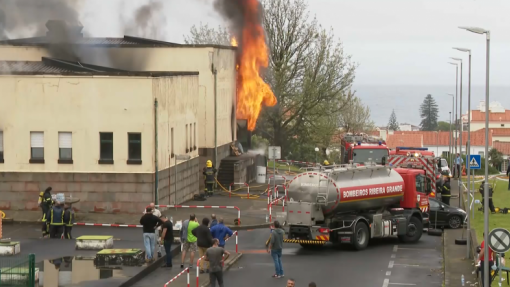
column 69, row 217
column 56, row 215
column 45, row 202
column 209, row 173
column 445, row 189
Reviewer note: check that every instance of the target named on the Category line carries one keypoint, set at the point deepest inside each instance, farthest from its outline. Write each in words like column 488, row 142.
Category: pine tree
column 393, row 124
column 428, row 113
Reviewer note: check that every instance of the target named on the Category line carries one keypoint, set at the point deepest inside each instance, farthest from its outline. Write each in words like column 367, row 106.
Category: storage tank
column 348, row 189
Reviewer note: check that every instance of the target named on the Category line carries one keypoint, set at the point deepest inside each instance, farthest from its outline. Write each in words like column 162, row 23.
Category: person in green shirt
column 190, row 242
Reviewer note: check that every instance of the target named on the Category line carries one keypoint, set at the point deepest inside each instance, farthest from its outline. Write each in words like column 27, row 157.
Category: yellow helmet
column 497, row 209
column 326, row 162
column 208, row 163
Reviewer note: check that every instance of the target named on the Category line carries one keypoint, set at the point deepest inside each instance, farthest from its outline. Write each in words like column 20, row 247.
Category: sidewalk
column 455, row 262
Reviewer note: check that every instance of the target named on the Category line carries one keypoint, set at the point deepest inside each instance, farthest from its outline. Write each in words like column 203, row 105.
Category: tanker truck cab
column 352, row 204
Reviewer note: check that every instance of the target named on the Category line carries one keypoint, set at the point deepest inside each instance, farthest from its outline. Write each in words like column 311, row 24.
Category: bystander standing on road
column 149, row 222
column 189, row 240
column 221, row 232
column 213, row 220
column 458, row 164
column 312, row 284
column 167, row 237
column 204, row 241
column 214, row 256
column 508, row 173
column 481, row 259
column 157, row 213
column 275, row 249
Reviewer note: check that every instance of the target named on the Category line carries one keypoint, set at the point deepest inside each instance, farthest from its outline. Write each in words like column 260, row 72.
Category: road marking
column 421, row 249
column 391, row 264
column 403, row 284
column 388, row 273
column 407, row 265
column 253, row 251
column 393, row 256
column 386, row 282
column 395, row 248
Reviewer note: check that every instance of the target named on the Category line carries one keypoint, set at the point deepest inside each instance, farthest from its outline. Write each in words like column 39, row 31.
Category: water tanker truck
column 352, row 204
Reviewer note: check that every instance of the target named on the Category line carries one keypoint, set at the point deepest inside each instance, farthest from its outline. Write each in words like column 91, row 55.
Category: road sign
column 275, row 152
column 499, row 240
column 475, row 161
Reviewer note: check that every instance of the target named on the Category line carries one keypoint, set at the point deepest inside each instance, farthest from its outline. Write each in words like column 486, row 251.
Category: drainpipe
column 156, row 195
column 215, row 73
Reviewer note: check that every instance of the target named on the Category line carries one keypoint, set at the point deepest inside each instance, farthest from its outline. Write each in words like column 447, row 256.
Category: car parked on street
column 447, row 216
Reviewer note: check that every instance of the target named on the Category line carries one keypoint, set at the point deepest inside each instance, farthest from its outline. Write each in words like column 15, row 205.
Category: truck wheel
column 414, row 231
column 360, row 237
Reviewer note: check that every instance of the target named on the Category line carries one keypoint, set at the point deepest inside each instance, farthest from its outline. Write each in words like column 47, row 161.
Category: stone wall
column 208, row 154
column 98, row 192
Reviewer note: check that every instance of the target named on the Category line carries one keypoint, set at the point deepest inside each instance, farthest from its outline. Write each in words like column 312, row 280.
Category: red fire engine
column 361, row 148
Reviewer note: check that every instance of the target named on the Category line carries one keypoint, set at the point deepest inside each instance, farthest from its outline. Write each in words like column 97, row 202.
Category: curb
column 227, row 267
column 149, row 269
column 446, row 281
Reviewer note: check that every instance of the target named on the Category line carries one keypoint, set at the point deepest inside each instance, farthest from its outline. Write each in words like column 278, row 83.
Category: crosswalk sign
column 475, row 161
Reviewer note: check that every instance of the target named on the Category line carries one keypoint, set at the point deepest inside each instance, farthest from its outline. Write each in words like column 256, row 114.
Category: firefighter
column 209, row 172
column 55, row 219
column 491, row 191
column 45, row 202
column 446, row 193
column 68, row 221
column 327, row 165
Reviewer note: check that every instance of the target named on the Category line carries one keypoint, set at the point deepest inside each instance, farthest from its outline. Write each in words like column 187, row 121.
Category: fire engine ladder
column 323, row 193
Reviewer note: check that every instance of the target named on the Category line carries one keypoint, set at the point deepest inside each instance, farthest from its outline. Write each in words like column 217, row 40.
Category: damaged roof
column 52, row 66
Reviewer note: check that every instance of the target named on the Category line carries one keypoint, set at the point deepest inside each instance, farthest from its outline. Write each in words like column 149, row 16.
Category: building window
column 105, row 148
column 502, row 125
column 481, row 153
column 65, row 147
column 134, row 148
column 1, row 147
column 195, row 136
column 172, row 143
column 187, row 150
column 36, row 147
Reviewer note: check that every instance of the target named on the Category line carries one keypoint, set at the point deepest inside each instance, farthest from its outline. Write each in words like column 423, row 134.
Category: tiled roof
column 500, row 132
column 410, row 140
column 503, row 147
column 478, row 116
column 40, row 67
column 443, row 138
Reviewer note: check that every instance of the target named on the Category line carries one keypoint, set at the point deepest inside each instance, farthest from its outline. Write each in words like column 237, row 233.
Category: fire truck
column 353, row 203
column 362, row 148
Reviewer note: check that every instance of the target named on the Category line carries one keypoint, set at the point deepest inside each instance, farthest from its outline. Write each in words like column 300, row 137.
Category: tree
column 428, row 113
column 444, row 126
column 356, row 117
column 308, row 72
column 495, row 157
column 393, row 124
column 203, row 34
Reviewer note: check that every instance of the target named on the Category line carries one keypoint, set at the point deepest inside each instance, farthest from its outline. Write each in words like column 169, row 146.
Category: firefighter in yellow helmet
column 326, row 162
column 327, row 165
column 210, row 173
column 46, row 203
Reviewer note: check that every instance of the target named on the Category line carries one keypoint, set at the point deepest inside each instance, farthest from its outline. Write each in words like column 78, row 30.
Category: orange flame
column 233, row 41
column 252, row 91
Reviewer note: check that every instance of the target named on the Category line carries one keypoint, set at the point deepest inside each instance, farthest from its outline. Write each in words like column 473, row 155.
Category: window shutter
column 36, row 139
column 1, row 141
column 65, row 140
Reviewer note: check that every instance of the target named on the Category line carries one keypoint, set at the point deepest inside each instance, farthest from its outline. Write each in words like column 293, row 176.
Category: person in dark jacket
column 209, row 172
column 221, row 232
column 68, row 221
column 446, row 193
column 45, row 202
column 508, row 174
column 482, row 192
column 55, row 219
column 213, row 220
column 204, row 241
column 167, row 237
column 149, row 222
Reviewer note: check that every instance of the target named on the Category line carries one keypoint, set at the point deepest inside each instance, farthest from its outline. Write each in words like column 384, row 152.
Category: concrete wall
column 493, row 125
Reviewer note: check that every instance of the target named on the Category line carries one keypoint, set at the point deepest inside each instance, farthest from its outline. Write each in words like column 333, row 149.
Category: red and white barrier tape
column 233, row 183
column 198, row 261
column 107, row 224
column 173, row 279
column 205, row 206
column 270, row 206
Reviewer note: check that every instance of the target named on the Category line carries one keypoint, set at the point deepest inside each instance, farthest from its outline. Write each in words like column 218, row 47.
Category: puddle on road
column 80, row 270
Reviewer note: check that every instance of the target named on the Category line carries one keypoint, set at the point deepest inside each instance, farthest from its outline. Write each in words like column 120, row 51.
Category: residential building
column 499, row 117
column 504, row 148
column 105, row 136
column 408, row 127
column 407, row 140
column 215, row 64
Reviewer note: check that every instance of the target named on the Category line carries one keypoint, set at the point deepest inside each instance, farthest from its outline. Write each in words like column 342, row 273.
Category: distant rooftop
column 61, row 32
column 52, row 66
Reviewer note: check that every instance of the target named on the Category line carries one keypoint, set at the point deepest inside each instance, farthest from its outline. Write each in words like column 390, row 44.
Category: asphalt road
column 386, row 262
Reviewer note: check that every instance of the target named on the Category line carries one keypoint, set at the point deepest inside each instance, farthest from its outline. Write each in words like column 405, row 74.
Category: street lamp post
column 451, row 135
column 459, row 175
column 456, row 116
column 486, row 186
column 468, row 151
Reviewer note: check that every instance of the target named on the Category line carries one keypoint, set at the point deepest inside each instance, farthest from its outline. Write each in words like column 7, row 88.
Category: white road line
column 388, row 273
column 411, row 265
column 386, row 282
column 403, row 284
column 395, row 248
column 393, row 256
column 391, row 264
column 421, row 249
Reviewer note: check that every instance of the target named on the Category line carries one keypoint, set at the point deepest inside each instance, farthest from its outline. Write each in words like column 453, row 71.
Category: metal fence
column 17, row 271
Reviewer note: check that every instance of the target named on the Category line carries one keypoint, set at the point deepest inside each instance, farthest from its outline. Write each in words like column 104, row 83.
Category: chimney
column 63, row 31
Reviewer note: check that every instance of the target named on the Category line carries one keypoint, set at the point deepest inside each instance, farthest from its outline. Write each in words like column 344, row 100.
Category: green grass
column 284, row 166
column 501, row 199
